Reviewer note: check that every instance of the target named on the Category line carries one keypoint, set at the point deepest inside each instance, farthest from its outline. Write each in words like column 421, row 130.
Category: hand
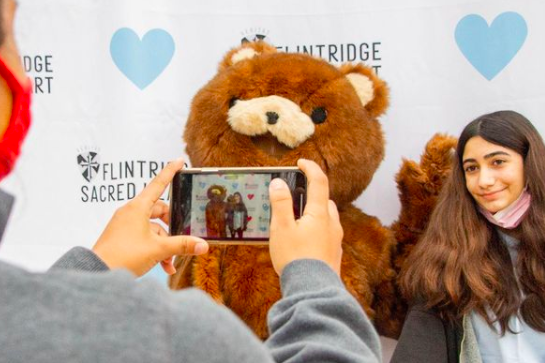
column 131, row 241
column 317, row 235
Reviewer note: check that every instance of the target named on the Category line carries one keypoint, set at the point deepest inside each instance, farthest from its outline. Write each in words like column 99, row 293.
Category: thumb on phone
column 317, row 235
column 281, row 204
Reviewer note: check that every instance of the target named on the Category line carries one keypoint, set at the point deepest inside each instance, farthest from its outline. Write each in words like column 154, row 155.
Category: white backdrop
column 114, row 80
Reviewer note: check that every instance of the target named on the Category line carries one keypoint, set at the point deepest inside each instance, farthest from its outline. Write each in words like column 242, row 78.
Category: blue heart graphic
column 490, row 49
column 235, row 185
column 202, row 184
column 265, row 207
column 142, row 61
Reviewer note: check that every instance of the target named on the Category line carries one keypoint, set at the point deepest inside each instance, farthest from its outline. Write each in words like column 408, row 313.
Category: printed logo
column 367, row 52
column 251, row 186
column 490, row 49
column 89, row 164
column 141, row 61
column 107, row 182
column 40, row 70
column 254, row 35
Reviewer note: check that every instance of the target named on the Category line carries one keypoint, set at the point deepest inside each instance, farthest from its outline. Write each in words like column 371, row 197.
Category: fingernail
column 277, row 184
column 201, row 247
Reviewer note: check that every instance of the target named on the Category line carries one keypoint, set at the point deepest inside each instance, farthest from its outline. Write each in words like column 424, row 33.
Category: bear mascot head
column 267, row 108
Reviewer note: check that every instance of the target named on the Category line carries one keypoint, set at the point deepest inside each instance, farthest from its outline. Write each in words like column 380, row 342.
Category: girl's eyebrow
column 495, row 153
column 487, row 156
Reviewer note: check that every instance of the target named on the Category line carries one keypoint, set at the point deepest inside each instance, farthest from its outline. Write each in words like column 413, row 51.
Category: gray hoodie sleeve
column 79, row 258
column 317, row 320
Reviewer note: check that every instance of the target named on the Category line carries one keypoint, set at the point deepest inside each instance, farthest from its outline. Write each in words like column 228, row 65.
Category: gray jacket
column 79, row 311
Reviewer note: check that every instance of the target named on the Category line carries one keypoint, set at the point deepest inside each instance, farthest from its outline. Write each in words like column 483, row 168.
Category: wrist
column 308, row 275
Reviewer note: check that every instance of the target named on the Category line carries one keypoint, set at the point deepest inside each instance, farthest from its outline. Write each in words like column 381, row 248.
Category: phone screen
column 229, row 206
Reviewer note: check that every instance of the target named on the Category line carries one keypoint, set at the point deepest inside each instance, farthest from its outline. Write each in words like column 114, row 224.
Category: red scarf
column 10, row 144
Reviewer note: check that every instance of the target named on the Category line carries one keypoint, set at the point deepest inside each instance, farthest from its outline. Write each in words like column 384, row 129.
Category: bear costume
column 216, row 210
column 267, row 108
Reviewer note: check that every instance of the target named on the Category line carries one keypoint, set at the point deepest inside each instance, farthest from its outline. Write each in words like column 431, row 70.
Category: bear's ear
column 371, row 90
column 245, row 51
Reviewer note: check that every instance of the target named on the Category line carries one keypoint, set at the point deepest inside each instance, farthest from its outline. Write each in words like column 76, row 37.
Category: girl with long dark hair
column 237, row 216
column 477, row 277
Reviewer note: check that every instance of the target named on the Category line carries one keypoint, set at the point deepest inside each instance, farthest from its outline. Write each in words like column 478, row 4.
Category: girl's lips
column 491, row 195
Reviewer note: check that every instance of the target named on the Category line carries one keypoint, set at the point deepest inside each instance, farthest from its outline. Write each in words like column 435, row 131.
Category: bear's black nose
column 272, row 118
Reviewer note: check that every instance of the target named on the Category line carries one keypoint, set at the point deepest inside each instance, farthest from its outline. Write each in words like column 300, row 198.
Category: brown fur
column 419, row 186
column 349, row 147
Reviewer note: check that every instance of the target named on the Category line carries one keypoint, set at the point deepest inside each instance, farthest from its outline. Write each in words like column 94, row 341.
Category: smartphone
column 230, row 205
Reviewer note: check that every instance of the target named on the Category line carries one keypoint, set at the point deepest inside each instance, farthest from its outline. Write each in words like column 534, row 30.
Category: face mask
column 10, row 143
column 511, row 216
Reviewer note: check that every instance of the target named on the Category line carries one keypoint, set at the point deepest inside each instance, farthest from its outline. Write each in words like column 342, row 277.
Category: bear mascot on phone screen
column 267, row 108
column 216, row 210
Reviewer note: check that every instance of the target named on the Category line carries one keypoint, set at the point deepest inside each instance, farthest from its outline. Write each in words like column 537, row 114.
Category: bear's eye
column 319, row 114
column 232, row 102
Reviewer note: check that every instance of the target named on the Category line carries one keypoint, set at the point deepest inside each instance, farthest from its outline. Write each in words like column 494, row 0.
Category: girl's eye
column 470, row 169
column 498, row 162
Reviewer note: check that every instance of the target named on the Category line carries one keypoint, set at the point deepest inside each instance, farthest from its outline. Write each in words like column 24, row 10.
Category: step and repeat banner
column 113, row 82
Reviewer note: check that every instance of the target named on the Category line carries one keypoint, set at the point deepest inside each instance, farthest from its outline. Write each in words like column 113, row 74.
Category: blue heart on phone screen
column 202, row 208
column 265, row 207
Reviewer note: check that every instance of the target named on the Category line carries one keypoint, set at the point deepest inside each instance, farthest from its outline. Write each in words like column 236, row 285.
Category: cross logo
column 88, row 163
column 252, row 38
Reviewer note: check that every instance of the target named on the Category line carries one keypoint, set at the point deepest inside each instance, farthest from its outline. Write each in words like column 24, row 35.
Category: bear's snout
column 276, row 115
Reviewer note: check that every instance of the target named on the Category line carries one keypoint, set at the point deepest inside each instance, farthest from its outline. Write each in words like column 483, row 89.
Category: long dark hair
column 461, row 264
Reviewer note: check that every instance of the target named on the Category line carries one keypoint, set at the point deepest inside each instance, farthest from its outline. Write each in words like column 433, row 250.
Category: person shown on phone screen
column 237, row 216
column 89, row 308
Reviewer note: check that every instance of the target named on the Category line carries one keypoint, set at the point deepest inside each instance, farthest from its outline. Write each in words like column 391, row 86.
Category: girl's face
column 494, row 174
column 237, row 198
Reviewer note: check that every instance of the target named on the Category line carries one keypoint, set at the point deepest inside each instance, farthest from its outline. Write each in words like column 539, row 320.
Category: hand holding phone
column 317, row 235
column 230, row 205
column 132, row 241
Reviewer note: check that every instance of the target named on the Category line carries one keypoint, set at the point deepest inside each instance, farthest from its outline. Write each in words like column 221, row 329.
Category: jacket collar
column 6, row 204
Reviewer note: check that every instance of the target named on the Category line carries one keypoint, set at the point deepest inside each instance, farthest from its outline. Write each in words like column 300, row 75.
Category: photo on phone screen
column 229, row 205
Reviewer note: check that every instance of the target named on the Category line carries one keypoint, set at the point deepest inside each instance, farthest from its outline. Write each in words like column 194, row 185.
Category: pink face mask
column 511, row 216
column 10, row 144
